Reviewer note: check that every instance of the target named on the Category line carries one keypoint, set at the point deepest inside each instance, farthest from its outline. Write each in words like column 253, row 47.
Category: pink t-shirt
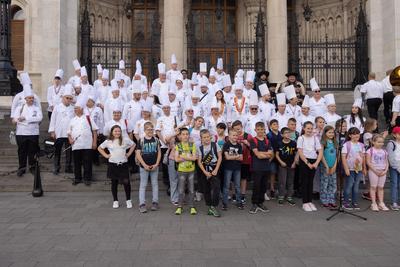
column 354, row 156
column 378, row 158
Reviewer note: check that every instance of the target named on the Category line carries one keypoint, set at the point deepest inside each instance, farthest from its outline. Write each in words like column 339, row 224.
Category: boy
column 285, row 155
column 262, row 156
column 233, row 153
column 148, row 155
column 185, row 156
column 331, row 117
column 209, row 158
column 292, row 129
column 274, row 136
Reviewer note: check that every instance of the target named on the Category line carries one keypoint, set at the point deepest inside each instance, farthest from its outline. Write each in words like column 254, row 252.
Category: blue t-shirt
column 330, row 153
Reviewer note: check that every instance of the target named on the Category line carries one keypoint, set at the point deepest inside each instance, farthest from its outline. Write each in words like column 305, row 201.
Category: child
column 393, row 148
column 118, row 169
column 331, row 117
column 292, row 128
column 220, row 137
column 328, row 173
column 341, row 131
column 185, row 156
column 209, row 158
column 233, row 153
column 310, row 153
column 378, row 165
column 319, row 127
column 370, row 127
column 353, row 160
column 285, row 154
column 356, row 119
column 274, row 136
column 148, row 155
column 195, row 131
column 262, row 155
column 396, row 107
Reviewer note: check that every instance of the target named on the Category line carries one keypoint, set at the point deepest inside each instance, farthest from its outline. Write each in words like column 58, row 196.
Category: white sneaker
column 129, row 204
column 198, row 196
column 312, row 206
column 115, row 205
column 266, row 197
column 306, row 207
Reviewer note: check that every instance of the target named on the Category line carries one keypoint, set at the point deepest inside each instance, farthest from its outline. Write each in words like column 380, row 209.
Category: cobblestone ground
column 81, row 229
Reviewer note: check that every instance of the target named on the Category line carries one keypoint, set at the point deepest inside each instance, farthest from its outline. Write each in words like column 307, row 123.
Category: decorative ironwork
column 307, row 13
column 259, row 47
column 86, row 42
column 219, row 12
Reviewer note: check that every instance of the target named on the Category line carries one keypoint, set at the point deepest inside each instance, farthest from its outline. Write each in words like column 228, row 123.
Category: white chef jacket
column 228, row 97
column 211, row 124
column 96, row 115
column 176, row 109
column 318, row 108
column 172, row 75
column 81, row 131
column 132, row 113
column 97, row 84
column 109, row 124
column 88, row 90
column 102, row 94
column 213, row 88
column 54, row 96
column 302, row 119
column 33, row 116
column 233, row 114
column 250, row 93
column 266, row 109
column 372, row 89
column 282, row 119
column 60, row 119
column 293, row 111
column 19, row 100
column 331, row 119
column 109, row 107
column 250, row 123
column 166, row 126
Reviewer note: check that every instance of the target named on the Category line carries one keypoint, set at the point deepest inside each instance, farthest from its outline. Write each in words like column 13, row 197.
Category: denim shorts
column 273, row 167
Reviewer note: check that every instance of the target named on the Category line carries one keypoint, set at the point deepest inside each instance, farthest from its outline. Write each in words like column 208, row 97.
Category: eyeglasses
column 149, row 129
column 317, row 91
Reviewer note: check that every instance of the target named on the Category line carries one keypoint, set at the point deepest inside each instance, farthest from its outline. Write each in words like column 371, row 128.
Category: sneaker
column 291, row 201
column 281, row 201
column 266, row 197
column 374, row 207
column 243, row 199
column 306, row 207
column 395, row 207
column 262, row 208
column 142, row 208
column 272, row 194
column 356, row 206
column 178, row 211
column 224, row 207
column 366, row 195
column 213, row 212
column 253, row 209
column 193, row 211
column 197, row 196
column 154, row 206
column 326, row 206
column 347, row 206
column 240, row 206
column 115, row 205
column 382, row 207
column 175, row 203
column 333, row 206
column 312, row 206
column 129, row 204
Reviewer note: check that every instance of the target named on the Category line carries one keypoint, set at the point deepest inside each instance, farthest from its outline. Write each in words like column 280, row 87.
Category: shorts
column 273, row 167
column 245, row 172
column 375, row 180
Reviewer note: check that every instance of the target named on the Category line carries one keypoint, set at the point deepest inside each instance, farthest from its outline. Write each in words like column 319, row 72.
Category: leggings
column 127, row 188
column 375, row 180
column 307, row 178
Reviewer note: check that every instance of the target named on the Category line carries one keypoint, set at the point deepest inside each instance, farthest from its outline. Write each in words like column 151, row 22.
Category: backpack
column 206, row 159
column 255, row 140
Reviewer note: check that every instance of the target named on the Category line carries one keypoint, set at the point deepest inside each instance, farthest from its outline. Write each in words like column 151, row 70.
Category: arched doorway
column 17, row 36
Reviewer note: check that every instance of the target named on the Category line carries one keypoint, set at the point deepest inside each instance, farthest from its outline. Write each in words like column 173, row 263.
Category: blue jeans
column 173, row 181
column 394, row 185
column 144, row 178
column 228, row 176
column 351, row 186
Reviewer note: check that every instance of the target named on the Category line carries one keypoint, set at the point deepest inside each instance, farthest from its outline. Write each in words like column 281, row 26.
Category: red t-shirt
column 246, row 149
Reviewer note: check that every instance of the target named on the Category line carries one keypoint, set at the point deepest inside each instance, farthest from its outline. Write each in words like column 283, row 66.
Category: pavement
column 81, row 229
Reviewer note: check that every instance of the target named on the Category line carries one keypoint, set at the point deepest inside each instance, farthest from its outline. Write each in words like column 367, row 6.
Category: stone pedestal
column 173, row 31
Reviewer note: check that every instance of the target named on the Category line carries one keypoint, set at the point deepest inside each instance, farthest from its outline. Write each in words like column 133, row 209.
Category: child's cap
column 396, row 130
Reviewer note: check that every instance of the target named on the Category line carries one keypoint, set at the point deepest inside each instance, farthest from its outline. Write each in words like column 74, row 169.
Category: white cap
column 173, row 59
column 148, row 105
column 203, row 67
column 194, row 78
column 136, row 87
column 264, row 89
column 67, row 90
column 314, row 85
column 330, row 99
column 239, row 74
column 226, row 81
column 99, row 68
column 77, row 65
column 281, row 99
column 106, row 74
column 306, row 102
column 81, row 101
column 250, row 75
column 118, row 75
column 76, row 83
column 220, row 64
column 212, row 72
column 138, row 68
column 59, row 74
column 161, row 68
column 25, row 79
column 203, row 81
column 290, row 92
column 253, row 101
column 172, row 89
column 179, row 77
column 83, row 72
column 114, row 86
column 27, row 90
column 121, row 65
column 358, row 103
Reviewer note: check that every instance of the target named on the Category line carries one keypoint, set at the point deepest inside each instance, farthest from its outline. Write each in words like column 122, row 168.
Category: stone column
column 277, row 39
column 173, row 31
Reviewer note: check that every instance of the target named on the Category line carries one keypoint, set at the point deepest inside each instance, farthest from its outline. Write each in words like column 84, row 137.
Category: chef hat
column 179, row 77
column 220, row 64
column 161, row 68
column 212, row 72
column 358, row 103
column 250, row 76
column 59, row 74
column 136, row 87
column 290, row 92
column 172, row 89
column 92, row 97
column 214, row 103
column 203, row 81
column 203, row 67
column 121, row 64
column 144, row 88
column 99, row 69
column 188, row 106
column 306, row 102
column 264, row 89
column 330, row 99
column 27, row 90
column 314, row 85
column 138, row 68
column 81, row 101
column 194, row 78
column 281, row 99
column 116, row 106
column 239, row 74
column 114, row 85
column 83, row 72
column 118, row 75
column 25, row 79
column 226, row 81
column 147, row 105
column 238, row 85
column 77, row 65
column 253, row 101
column 67, row 90
column 196, row 93
column 106, row 74
column 76, row 83
column 173, row 59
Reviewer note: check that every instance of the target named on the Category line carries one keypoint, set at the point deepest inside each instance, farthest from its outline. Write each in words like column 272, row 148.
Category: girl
column 118, row 169
column 370, row 127
column 377, row 161
column 220, row 137
column 353, row 160
column 219, row 95
column 319, row 127
column 310, row 152
column 195, row 131
column 356, row 119
column 329, row 161
column 341, row 131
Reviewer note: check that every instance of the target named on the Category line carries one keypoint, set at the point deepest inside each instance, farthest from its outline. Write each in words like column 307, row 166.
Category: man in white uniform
column 174, row 71
column 104, row 90
column 213, row 85
column 116, row 120
column 132, row 110
column 266, row 108
column 281, row 116
column 292, row 109
column 305, row 114
column 159, row 87
column 127, row 80
column 227, row 88
column 238, row 108
column 19, row 99
column 252, row 118
column 317, row 102
column 373, row 91
column 87, row 88
column 248, row 91
column 331, row 117
column 215, row 117
column 99, row 81
column 77, row 76
column 54, row 92
column 114, row 101
column 220, row 71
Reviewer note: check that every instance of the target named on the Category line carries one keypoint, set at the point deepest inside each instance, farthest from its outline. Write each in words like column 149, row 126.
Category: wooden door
column 17, row 43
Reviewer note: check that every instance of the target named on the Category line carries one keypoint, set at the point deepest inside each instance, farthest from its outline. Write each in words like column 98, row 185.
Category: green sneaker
column 213, row 211
column 193, row 211
column 291, row 201
column 178, row 211
column 280, row 200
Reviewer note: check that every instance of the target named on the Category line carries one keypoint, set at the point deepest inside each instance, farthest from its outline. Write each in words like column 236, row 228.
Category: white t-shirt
column 372, row 89
column 396, row 104
column 117, row 151
column 310, row 146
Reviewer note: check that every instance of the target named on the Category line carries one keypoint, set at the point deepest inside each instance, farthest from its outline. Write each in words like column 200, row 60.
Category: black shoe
column 272, row 194
column 87, row 182
column 76, row 181
column 20, row 172
column 262, row 208
column 56, row 171
column 224, row 207
column 240, row 205
column 253, row 209
column 69, row 170
column 32, row 169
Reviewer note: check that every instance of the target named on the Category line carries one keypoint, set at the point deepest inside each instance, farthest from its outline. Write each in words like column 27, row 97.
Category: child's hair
column 260, row 124
column 148, row 124
column 156, row 100
column 352, row 131
column 324, row 138
column 198, row 118
column 396, row 89
column 292, row 120
column 375, row 137
column 319, row 118
column 285, row 129
column 359, row 115
column 273, row 121
column 307, row 123
column 221, row 125
column 231, row 130
column 111, row 136
column 183, row 129
column 203, row 132
column 237, row 123
column 338, row 124
column 369, row 125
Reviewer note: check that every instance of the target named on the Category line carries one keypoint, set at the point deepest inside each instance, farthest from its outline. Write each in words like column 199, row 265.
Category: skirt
column 118, row 172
